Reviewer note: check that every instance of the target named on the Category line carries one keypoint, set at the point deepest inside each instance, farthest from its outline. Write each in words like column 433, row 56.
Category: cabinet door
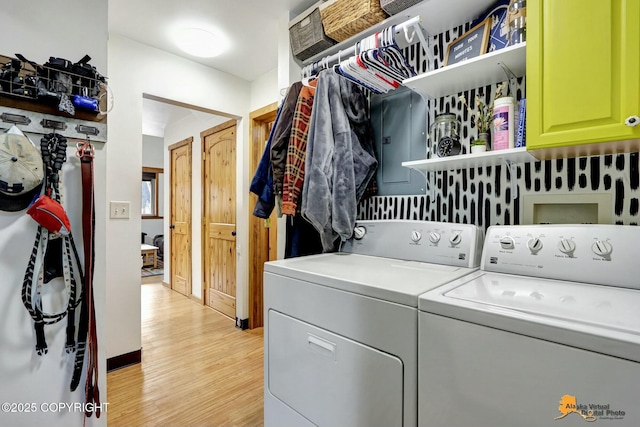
column 583, row 71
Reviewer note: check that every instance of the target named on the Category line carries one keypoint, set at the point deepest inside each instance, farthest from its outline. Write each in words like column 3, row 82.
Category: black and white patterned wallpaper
column 483, row 196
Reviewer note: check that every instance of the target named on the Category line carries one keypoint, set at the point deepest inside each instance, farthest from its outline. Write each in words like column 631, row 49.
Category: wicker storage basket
column 395, row 6
column 346, row 18
column 307, row 36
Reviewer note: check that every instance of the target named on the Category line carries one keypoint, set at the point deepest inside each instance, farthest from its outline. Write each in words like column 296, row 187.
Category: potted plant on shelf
column 482, row 119
column 478, row 145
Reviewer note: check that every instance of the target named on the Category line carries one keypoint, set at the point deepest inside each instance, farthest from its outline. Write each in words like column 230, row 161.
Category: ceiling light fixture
column 199, row 42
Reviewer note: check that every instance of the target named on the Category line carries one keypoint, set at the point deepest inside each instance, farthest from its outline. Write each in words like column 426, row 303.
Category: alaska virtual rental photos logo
column 590, row 412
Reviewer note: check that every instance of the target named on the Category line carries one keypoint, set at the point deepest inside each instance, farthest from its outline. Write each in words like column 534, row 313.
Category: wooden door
column 219, row 228
column 582, row 72
column 262, row 233
column 180, row 215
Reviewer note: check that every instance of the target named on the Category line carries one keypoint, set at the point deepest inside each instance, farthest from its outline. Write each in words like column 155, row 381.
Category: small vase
column 478, row 149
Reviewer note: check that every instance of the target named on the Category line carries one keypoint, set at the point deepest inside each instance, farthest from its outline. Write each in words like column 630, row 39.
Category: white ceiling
column 251, row 27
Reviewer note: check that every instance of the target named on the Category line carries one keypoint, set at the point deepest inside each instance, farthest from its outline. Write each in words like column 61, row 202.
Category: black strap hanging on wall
column 55, row 254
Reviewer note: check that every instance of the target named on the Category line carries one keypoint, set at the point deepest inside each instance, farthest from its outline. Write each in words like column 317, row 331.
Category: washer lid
column 605, row 319
column 383, row 278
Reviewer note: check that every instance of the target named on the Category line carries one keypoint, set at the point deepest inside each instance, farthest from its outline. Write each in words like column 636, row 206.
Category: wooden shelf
column 35, row 105
column 473, row 73
column 466, row 161
column 436, row 17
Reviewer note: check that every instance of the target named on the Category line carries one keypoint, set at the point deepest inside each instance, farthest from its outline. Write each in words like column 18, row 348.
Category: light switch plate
column 119, row 210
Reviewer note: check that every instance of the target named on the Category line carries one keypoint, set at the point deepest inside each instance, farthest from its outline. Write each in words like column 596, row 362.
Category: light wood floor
column 197, row 369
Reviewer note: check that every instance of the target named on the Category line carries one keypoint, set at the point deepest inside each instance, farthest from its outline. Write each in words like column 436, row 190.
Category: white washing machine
column 546, row 333
column 341, row 329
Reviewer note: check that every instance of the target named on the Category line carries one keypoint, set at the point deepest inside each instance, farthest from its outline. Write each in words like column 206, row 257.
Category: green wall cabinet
column 583, row 75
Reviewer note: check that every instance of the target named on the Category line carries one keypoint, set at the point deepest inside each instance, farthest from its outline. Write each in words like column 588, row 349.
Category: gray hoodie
column 339, row 165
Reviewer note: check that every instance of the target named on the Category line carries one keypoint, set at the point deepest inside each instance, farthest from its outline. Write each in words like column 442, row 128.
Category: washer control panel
column 600, row 254
column 423, row 241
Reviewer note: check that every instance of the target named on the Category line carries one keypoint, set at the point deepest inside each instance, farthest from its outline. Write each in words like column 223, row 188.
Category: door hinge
column 204, row 156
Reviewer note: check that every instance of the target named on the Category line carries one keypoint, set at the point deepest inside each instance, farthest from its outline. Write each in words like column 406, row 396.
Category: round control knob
column 567, row 246
column 455, row 238
column 507, row 242
column 359, row 232
column 602, row 248
column 434, row 237
column 534, row 245
column 416, row 236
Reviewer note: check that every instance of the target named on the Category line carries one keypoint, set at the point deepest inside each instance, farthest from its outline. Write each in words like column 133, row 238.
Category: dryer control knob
column 359, row 232
column 602, row 248
column 416, row 236
column 534, row 245
column 507, row 242
column 455, row 238
column 567, row 246
column 434, row 237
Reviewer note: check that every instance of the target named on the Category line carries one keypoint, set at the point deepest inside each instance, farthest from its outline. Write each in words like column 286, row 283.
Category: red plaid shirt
column 297, row 151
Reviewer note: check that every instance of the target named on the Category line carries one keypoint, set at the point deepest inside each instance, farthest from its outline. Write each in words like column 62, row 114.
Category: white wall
column 190, row 126
column 152, row 151
column 153, row 157
column 136, row 69
column 37, row 31
column 264, row 90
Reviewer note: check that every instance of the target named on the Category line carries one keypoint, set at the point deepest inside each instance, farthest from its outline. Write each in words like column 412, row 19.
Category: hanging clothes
column 297, row 150
column 281, row 134
column 338, row 167
column 262, row 182
column 302, row 238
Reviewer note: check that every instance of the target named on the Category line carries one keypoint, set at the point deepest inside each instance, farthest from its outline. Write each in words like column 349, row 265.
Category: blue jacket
column 262, row 182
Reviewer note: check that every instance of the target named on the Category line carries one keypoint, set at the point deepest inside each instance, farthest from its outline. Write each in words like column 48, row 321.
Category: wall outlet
column 119, row 210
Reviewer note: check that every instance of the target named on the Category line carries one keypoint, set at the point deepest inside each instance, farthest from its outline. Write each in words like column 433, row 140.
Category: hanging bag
column 51, row 215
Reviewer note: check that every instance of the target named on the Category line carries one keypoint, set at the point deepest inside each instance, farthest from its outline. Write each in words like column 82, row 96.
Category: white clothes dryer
column 341, row 329
column 546, row 333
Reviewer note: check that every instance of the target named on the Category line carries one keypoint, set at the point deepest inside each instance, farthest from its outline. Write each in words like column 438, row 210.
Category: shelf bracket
column 417, row 28
column 511, row 77
column 513, row 177
column 428, row 182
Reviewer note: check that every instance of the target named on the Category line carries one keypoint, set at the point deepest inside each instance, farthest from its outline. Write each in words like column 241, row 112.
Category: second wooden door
column 219, row 201
column 180, row 228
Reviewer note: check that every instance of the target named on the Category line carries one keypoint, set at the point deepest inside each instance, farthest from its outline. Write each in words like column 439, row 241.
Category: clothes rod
column 402, row 28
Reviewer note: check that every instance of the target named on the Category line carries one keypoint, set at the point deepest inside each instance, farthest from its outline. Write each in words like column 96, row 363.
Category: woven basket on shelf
column 396, row 6
column 345, row 18
column 307, row 36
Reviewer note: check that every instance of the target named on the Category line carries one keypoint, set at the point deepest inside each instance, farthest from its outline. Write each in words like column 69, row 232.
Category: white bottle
column 503, row 123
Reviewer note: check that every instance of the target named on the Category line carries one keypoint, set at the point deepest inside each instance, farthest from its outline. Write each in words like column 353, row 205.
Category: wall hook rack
column 16, row 119
column 33, row 122
column 53, row 124
column 87, row 130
